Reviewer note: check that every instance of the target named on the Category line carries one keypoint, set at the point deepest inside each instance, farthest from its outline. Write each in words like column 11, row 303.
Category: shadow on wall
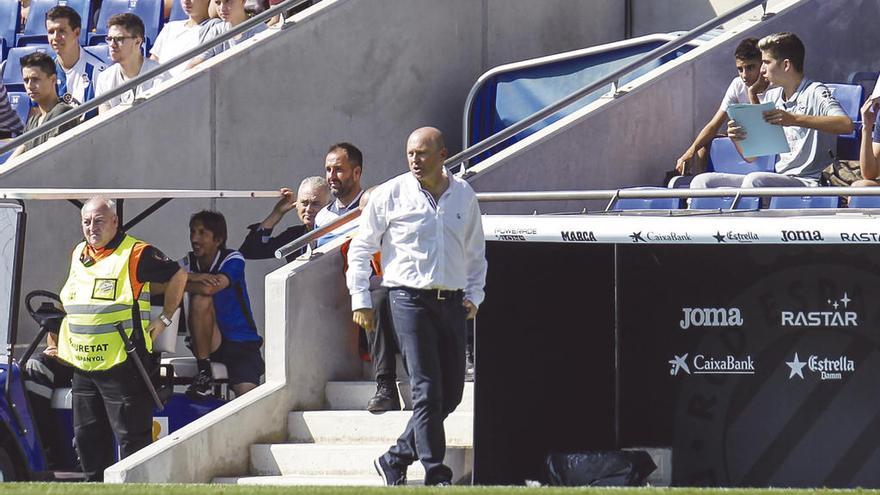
column 651, row 16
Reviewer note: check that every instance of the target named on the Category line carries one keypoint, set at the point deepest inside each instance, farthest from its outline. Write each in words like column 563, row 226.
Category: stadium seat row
column 34, row 32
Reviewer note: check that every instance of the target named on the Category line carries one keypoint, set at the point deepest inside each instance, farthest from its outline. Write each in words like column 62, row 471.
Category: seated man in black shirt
column 313, row 194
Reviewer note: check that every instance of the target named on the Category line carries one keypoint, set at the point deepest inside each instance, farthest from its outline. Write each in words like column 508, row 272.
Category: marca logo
column 710, row 317
column 708, row 365
column 801, row 236
column 741, row 237
column 836, row 318
column 826, row 368
column 860, row 237
column 578, row 236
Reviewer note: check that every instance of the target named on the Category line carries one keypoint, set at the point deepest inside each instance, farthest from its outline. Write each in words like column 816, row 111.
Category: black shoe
column 386, row 398
column 201, row 387
column 391, row 476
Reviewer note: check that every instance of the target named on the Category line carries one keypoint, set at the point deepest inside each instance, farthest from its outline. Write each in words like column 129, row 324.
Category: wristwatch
column 165, row 320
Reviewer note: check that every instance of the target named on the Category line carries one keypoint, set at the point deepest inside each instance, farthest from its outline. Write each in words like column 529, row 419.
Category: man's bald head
column 99, row 221
column 425, row 154
column 429, row 134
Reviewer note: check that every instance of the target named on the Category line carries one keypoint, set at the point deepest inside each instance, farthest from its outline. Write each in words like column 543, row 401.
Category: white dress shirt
column 424, row 244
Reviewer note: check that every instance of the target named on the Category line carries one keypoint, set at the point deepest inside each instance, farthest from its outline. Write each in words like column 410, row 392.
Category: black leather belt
column 439, row 294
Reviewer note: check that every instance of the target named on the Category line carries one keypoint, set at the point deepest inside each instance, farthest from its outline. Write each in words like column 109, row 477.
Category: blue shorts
column 243, row 361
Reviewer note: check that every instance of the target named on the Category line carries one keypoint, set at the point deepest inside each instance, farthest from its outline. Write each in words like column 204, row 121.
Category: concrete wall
column 362, row 71
column 310, row 340
column 635, row 139
column 661, row 16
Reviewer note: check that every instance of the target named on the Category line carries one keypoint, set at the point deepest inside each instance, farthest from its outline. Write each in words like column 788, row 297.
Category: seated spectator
column 869, row 154
column 810, row 116
column 232, row 14
column 10, row 123
column 221, row 322
column 125, row 35
column 38, row 74
column 313, row 194
column 748, row 87
column 178, row 37
column 77, row 67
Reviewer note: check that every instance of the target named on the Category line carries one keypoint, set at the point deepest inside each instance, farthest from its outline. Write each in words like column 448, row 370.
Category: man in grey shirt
column 232, row 14
column 38, row 74
column 810, row 116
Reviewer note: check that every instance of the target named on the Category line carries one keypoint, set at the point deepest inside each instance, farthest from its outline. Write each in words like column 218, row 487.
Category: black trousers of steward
column 114, row 402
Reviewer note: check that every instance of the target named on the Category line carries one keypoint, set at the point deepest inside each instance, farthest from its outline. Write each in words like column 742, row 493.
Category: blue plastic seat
column 647, row 203
column 803, row 202
column 850, row 98
column 150, row 12
column 864, row 202
column 723, row 157
column 12, row 71
column 35, row 27
column 177, row 12
column 748, row 203
column 21, row 103
column 10, row 22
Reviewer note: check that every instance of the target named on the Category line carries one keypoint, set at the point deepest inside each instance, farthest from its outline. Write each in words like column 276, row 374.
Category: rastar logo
column 859, row 237
column 710, row 317
column 836, row 318
column 826, row 368
column 578, row 236
column 801, row 236
column 712, row 365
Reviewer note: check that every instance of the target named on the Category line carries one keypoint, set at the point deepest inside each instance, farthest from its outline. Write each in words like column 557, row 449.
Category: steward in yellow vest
column 109, row 284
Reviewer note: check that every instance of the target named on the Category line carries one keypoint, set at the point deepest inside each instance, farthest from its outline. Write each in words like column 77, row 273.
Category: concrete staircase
column 337, row 446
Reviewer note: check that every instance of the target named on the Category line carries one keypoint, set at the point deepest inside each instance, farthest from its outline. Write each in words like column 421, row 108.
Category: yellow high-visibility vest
column 96, row 298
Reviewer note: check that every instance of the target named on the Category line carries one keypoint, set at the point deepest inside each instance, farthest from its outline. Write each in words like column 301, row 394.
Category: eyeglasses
column 118, row 40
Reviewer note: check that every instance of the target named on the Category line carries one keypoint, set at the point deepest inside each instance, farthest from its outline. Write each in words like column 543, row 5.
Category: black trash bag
column 599, row 468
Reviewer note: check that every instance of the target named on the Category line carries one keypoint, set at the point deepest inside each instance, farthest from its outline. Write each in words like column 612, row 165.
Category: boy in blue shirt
column 221, row 322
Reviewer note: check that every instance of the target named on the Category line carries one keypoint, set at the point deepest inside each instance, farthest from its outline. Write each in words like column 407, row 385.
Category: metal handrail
column 759, row 192
column 505, row 134
column 313, row 235
column 132, row 84
column 540, row 115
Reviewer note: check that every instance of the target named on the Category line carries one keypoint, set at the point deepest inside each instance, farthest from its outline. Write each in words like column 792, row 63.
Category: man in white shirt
column 178, row 37
column 232, row 14
column 747, row 58
column 427, row 225
column 809, row 115
column 77, row 67
column 125, row 35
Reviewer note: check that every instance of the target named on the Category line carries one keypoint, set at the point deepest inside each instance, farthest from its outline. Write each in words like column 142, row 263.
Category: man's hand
column 51, row 351
column 471, row 309
column 286, row 203
column 735, row 131
column 779, row 117
column 208, row 279
column 364, row 318
column 156, row 327
column 681, row 166
column 759, row 86
column 869, row 112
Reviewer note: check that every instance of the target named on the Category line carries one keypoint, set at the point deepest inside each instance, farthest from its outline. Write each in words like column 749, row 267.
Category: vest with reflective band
column 96, row 298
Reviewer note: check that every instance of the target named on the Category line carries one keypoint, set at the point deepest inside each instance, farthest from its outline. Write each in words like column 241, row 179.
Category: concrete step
column 353, row 396
column 363, row 427
column 373, row 480
column 346, row 460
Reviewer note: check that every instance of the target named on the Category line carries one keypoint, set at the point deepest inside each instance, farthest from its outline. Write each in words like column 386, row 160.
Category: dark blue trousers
column 431, row 334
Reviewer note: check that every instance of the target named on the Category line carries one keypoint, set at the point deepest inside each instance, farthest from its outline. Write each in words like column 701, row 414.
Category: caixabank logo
column 836, row 313
column 702, row 364
column 824, row 368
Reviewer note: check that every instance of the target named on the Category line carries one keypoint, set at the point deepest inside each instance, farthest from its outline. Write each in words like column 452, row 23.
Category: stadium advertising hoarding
column 757, row 364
